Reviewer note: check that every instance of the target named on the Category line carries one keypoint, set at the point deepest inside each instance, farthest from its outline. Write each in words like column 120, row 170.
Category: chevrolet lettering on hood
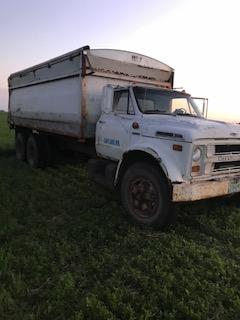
column 225, row 158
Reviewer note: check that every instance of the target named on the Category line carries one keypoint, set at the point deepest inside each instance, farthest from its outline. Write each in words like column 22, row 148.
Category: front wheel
column 145, row 195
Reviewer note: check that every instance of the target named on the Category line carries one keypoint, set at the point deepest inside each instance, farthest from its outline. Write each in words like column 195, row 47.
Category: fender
column 161, row 153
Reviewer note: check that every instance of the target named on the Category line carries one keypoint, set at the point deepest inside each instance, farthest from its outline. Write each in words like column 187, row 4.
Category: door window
column 122, row 102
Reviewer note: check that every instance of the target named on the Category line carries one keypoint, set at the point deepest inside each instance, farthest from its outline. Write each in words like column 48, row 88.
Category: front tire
column 145, row 195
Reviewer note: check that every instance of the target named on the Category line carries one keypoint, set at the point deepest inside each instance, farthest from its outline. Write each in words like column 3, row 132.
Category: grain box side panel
column 51, row 106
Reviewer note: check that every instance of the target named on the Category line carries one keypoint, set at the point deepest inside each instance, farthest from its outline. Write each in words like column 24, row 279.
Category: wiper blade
column 186, row 114
column 157, row 111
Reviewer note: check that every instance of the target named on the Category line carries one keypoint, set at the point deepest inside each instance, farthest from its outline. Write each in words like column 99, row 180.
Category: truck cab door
column 114, row 129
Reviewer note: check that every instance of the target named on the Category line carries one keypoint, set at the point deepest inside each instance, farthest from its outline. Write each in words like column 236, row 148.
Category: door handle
column 100, row 121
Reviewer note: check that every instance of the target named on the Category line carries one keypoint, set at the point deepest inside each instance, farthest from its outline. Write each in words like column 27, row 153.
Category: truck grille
column 229, row 148
column 228, row 158
column 227, row 165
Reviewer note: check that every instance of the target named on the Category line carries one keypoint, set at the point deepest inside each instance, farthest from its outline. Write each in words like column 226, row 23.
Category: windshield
column 165, row 102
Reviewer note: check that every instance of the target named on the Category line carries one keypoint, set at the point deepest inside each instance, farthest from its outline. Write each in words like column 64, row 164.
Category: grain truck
column 145, row 139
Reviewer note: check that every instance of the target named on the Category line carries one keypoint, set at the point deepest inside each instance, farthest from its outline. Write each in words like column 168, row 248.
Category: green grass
column 6, row 137
column 68, row 252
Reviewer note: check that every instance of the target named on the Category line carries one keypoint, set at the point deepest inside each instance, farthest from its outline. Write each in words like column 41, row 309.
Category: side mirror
column 107, row 99
column 202, row 104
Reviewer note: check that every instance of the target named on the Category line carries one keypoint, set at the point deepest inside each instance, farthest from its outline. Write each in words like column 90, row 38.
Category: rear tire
column 145, row 195
column 35, row 152
column 20, row 145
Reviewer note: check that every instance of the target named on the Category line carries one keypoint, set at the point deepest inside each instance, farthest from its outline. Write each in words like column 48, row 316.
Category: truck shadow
column 209, row 216
column 203, row 206
column 7, row 152
column 68, row 157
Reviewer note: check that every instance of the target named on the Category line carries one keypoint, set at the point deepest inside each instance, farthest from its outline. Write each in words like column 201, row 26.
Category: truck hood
column 188, row 128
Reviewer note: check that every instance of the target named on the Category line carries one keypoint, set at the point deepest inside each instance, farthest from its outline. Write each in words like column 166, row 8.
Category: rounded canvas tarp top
column 100, row 62
column 118, row 63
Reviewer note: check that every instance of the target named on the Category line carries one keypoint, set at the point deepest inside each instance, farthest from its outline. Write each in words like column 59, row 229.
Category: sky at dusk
column 198, row 38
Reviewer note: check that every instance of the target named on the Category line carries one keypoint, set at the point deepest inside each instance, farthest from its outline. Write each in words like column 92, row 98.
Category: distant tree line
column 1, row 108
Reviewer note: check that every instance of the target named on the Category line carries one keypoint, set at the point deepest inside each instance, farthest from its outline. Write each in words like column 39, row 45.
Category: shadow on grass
column 58, row 157
column 199, row 207
column 7, row 152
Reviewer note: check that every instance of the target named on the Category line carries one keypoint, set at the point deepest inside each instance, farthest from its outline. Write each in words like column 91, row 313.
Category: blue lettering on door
column 113, row 142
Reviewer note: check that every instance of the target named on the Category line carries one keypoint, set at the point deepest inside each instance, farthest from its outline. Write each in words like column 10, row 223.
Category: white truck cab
column 197, row 157
column 150, row 142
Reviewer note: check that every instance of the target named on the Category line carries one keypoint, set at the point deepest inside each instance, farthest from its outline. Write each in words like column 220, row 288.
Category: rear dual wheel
column 20, row 145
column 35, row 151
column 146, row 196
column 32, row 148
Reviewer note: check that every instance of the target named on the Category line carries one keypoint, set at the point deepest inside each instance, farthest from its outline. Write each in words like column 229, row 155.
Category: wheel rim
column 143, row 197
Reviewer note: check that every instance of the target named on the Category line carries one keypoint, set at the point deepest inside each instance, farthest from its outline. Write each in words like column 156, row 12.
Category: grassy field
column 68, row 252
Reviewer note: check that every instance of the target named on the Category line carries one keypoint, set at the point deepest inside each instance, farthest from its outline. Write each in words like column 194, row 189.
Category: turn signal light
column 195, row 169
column 177, row 147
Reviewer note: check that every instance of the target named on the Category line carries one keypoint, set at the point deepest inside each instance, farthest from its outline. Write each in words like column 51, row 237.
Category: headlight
column 196, row 154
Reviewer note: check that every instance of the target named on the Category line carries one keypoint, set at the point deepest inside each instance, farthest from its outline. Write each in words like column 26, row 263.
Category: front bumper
column 205, row 189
